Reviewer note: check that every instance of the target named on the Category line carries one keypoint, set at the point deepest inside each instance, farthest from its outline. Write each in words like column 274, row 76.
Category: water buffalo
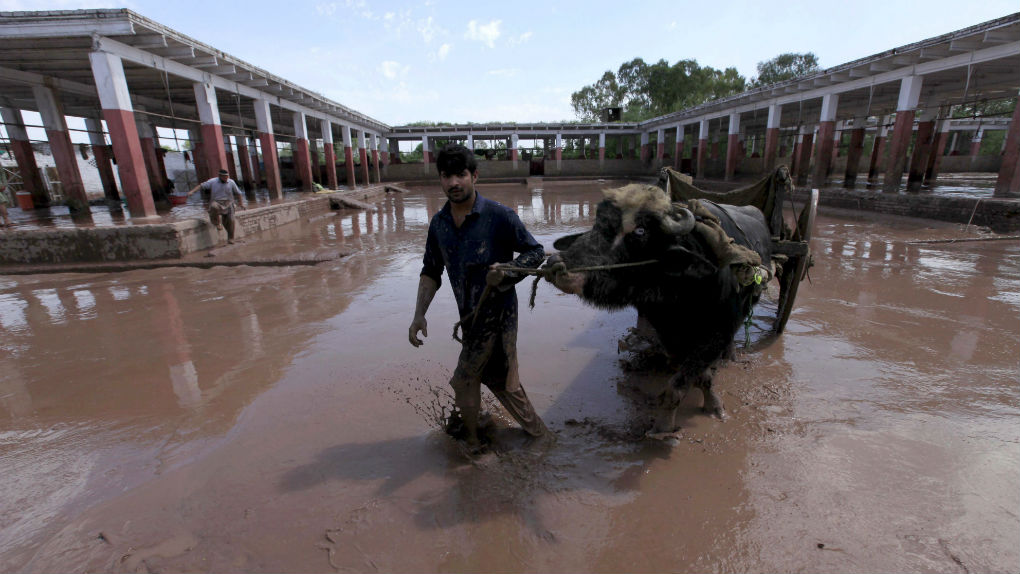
column 694, row 296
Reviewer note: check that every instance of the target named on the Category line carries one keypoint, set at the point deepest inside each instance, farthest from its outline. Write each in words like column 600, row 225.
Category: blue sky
column 405, row 61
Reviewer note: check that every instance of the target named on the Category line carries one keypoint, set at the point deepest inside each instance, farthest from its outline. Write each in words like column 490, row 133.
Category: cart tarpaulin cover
column 765, row 194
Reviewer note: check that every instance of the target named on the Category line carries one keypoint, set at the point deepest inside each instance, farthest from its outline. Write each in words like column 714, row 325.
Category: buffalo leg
column 668, row 402
column 712, row 403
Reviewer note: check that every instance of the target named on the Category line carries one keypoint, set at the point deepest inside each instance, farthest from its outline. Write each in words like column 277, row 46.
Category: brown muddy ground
column 277, row 420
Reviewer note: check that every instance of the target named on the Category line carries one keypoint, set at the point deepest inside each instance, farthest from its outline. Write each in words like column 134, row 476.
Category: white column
column 263, row 119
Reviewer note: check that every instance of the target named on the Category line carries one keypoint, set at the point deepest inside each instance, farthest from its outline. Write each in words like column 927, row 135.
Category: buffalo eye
column 639, row 231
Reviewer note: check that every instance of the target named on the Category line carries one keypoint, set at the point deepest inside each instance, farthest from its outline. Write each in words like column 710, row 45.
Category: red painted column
column 923, row 143
column 938, row 149
column 331, row 181
column 702, row 148
column 853, row 155
column 877, row 165
column 1008, row 182
column 646, row 152
column 245, row 160
column 149, row 143
column 130, row 165
column 375, row 164
column 52, row 113
column 898, row 144
column 24, row 155
column 270, row 158
column 302, row 156
column 910, row 90
column 215, row 154
column 104, row 154
column 771, row 149
column 823, row 157
column 256, row 172
column 363, row 156
column 349, row 156
column 805, row 147
column 660, row 145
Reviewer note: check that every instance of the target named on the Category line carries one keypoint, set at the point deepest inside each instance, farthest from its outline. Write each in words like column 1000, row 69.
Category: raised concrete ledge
column 998, row 214
column 167, row 240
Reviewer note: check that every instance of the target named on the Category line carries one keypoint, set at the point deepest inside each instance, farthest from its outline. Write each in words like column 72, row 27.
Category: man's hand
column 418, row 324
column 495, row 276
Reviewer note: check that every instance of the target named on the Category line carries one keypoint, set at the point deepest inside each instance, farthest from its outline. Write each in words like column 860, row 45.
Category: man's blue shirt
column 491, row 233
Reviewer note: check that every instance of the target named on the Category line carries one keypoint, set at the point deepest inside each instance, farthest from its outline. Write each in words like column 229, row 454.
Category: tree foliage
column 784, row 67
column 647, row 90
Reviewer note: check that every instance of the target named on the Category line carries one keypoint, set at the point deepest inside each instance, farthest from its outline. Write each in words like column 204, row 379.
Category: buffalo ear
column 564, row 243
column 678, row 261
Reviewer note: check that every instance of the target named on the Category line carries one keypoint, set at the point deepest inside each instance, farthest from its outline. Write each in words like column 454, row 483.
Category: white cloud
column 484, row 33
column 392, row 69
column 427, row 29
column 326, row 9
column 520, row 39
column 443, row 51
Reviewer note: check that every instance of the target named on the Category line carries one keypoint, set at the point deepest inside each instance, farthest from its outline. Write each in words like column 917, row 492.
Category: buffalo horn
column 680, row 222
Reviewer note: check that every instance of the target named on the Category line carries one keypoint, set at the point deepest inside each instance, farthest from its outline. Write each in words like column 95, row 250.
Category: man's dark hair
column 454, row 159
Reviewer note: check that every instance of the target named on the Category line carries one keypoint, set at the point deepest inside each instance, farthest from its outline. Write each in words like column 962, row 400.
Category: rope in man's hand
column 547, row 272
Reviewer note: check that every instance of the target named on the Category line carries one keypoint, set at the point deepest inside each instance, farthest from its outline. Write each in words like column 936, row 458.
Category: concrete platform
column 163, row 240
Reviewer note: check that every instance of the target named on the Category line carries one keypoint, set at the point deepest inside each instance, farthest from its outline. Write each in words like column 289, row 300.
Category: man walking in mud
column 468, row 237
column 222, row 192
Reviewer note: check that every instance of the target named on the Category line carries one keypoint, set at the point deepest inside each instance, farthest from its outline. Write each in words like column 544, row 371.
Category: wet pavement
column 254, row 419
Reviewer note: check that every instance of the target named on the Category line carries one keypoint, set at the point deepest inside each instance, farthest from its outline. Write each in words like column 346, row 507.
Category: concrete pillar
column 854, row 151
column 678, row 146
column 660, row 145
column 514, row 154
column 602, row 149
column 975, row 144
column 805, row 141
column 375, row 157
column 330, row 153
column 826, row 130
column 426, row 152
column 150, row 143
column 646, row 152
column 938, row 149
column 313, row 157
column 1008, row 182
column 910, row 92
column 363, row 155
column 877, row 163
column 31, row 179
column 103, row 154
column 702, row 148
column 772, row 138
column 212, row 129
column 302, row 159
column 348, row 156
column 244, row 159
column 52, row 112
column 197, row 154
column 923, row 143
column 270, row 158
column 228, row 151
column 732, row 143
column 108, row 71
column 256, row 172
column 559, row 149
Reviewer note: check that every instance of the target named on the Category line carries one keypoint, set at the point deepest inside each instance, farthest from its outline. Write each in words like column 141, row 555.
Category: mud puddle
column 276, row 419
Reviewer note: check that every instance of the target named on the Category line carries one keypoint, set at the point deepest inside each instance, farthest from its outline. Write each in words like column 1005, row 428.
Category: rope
column 467, row 321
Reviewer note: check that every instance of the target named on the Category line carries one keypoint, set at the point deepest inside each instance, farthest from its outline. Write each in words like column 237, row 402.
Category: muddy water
column 276, row 419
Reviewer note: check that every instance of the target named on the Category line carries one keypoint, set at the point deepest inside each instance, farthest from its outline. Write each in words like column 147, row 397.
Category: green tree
column 784, row 67
column 647, row 90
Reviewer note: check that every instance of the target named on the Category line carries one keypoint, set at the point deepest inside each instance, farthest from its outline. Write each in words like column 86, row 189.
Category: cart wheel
column 796, row 268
